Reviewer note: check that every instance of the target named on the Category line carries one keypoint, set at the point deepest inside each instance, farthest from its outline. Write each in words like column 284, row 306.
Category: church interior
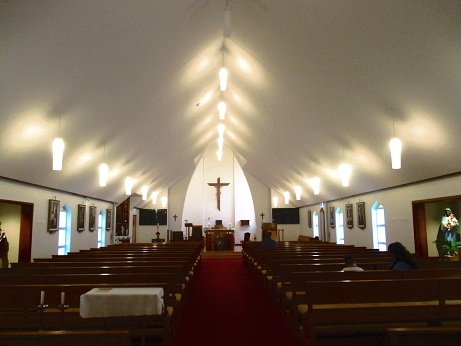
column 189, row 130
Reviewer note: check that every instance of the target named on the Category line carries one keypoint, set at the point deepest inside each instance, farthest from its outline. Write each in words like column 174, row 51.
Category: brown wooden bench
column 66, row 337
column 296, row 281
column 358, row 307
column 424, row 336
column 20, row 310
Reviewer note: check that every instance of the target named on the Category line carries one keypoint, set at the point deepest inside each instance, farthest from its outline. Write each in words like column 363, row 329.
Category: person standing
column 4, row 248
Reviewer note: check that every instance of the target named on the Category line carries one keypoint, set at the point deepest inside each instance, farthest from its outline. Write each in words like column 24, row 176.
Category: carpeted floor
column 228, row 307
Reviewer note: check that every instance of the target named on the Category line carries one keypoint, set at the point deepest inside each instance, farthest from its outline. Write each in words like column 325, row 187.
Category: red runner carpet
column 227, row 306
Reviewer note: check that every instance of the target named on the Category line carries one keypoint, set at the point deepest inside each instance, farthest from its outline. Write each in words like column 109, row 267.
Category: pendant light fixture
column 345, row 173
column 222, row 110
column 315, row 183
column 144, row 191
column 223, row 74
column 128, row 185
column 58, row 150
column 219, row 155
column 103, row 171
column 286, row 194
column 227, row 21
column 298, row 191
column 154, row 196
column 395, row 145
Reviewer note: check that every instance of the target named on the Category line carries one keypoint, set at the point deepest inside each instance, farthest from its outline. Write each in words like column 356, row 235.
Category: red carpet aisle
column 228, row 307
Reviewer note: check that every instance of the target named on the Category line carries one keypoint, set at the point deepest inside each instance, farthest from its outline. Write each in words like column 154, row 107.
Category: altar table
column 121, row 301
column 219, row 239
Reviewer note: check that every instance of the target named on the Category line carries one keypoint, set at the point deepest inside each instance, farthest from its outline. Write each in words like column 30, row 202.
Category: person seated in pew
column 401, row 257
column 349, row 261
column 268, row 242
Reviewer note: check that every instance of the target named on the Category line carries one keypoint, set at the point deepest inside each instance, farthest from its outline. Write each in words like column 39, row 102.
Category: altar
column 219, row 239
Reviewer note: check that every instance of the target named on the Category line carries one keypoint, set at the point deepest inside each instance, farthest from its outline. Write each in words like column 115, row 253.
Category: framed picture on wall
column 92, row 225
column 53, row 215
column 349, row 216
column 81, row 216
column 332, row 216
column 309, row 218
column 361, row 222
column 108, row 219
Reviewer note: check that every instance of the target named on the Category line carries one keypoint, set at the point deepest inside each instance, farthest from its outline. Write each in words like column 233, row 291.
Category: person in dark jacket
column 401, row 257
column 268, row 242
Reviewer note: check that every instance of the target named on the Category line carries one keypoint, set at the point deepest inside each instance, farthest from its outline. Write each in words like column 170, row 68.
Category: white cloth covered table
column 121, row 301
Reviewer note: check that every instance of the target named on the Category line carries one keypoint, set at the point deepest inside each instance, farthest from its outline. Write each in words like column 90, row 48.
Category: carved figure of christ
column 218, row 185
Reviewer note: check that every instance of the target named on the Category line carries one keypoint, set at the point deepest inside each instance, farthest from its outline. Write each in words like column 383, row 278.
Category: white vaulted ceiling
column 312, row 84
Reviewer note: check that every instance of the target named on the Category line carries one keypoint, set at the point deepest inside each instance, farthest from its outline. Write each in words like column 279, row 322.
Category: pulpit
column 272, row 227
column 219, row 239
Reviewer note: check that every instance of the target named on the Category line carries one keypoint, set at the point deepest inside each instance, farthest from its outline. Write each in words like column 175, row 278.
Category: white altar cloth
column 121, row 301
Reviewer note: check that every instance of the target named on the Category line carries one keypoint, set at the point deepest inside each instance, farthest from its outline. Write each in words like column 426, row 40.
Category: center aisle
column 226, row 306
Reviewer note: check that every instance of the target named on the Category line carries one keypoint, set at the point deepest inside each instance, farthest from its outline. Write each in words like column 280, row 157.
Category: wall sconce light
column 223, row 74
column 275, row 201
column 298, row 191
column 144, row 191
column 345, row 173
column 128, row 185
column 164, row 200
column 154, row 196
column 222, row 110
column 286, row 194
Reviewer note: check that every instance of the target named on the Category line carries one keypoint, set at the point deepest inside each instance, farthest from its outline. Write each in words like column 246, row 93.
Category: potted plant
column 447, row 248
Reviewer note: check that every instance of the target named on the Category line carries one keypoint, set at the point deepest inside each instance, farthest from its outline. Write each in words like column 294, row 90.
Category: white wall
column 45, row 244
column 397, row 203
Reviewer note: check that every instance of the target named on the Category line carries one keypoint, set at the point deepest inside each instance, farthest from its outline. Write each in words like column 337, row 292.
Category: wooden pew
column 66, row 337
column 295, row 281
column 329, row 308
column 20, row 310
column 138, row 267
column 424, row 336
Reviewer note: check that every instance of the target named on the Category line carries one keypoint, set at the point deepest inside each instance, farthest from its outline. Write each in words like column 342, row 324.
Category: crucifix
column 175, row 216
column 218, row 185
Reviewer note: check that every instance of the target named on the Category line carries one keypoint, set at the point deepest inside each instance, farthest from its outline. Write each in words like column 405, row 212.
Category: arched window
column 101, row 230
column 339, row 218
column 65, row 217
column 315, row 223
column 378, row 221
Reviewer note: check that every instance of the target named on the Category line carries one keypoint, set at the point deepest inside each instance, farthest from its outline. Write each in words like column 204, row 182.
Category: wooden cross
column 175, row 217
column 218, row 185
column 262, row 215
